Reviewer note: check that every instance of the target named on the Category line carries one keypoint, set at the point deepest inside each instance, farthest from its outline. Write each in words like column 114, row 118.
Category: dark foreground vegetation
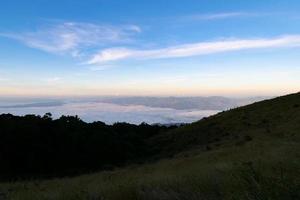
column 248, row 153
column 34, row 146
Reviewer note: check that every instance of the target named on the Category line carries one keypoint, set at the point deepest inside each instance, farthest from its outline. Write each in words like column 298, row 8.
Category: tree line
column 35, row 146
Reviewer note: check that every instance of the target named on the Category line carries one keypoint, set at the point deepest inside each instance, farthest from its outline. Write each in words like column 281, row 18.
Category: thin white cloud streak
column 71, row 37
column 216, row 16
column 194, row 49
column 53, row 80
column 225, row 15
column 100, row 67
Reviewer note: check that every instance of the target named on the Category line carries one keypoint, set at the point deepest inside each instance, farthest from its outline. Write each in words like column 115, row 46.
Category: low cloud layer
column 110, row 113
column 135, row 110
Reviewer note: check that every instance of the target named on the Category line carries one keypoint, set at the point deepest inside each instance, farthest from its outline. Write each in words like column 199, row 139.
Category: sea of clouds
column 107, row 112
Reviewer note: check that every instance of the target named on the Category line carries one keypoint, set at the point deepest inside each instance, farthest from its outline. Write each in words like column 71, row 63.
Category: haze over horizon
column 191, row 48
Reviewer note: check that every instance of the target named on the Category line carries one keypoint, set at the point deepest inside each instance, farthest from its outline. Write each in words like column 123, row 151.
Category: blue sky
column 130, row 47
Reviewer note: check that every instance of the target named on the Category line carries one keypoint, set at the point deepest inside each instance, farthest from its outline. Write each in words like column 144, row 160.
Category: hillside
column 248, row 153
column 275, row 118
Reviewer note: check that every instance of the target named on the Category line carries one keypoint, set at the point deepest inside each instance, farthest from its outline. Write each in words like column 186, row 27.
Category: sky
column 149, row 48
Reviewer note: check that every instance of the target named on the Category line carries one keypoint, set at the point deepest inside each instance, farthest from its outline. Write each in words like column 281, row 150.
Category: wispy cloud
column 216, row 16
column 100, row 67
column 194, row 49
column 71, row 37
column 52, row 80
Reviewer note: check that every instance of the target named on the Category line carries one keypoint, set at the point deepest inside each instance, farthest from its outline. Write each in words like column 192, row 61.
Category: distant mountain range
column 178, row 103
column 34, row 105
column 184, row 103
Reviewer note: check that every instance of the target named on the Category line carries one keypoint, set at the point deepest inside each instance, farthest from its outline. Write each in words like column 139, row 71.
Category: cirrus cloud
column 194, row 49
column 72, row 37
column 216, row 16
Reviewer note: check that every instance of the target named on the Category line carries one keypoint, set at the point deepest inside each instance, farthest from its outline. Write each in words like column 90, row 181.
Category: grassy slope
column 273, row 118
column 251, row 152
